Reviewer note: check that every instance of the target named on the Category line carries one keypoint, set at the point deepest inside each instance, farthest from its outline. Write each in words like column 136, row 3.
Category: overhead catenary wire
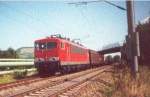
column 110, row 3
column 97, row 1
column 87, row 22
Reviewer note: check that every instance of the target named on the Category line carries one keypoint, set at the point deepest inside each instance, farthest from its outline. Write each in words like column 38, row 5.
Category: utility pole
column 133, row 42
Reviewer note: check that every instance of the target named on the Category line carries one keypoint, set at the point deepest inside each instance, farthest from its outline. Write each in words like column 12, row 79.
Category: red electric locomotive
column 54, row 54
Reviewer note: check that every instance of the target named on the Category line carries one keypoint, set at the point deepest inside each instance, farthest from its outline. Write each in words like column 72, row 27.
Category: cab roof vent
column 56, row 36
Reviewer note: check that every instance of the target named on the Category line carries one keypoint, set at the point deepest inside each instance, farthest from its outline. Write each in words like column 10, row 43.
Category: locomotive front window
column 36, row 45
column 51, row 45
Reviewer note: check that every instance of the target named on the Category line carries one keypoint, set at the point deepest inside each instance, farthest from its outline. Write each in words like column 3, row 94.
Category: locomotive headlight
column 54, row 59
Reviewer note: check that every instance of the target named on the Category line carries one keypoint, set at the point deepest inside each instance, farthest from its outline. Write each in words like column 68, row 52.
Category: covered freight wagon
column 95, row 58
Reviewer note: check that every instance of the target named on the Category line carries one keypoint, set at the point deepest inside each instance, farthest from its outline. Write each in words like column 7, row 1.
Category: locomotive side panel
column 63, row 51
column 78, row 55
column 74, row 55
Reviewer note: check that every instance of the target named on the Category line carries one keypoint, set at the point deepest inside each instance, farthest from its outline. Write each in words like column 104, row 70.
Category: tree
column 9, row 53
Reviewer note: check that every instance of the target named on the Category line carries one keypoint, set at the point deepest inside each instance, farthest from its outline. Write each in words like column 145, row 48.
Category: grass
column 126, row 86
column 6, row 79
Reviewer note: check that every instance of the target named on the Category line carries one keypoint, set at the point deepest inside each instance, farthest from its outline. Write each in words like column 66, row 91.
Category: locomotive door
column 68, row 53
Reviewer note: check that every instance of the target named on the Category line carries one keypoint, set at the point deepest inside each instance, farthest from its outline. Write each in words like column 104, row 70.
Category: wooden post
column 132, row 39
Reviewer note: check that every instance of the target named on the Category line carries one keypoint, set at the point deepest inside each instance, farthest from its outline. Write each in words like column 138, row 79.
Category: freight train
column 56, row 54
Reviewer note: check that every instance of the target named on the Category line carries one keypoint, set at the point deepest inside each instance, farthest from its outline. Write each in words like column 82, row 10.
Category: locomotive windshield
column 49, row 45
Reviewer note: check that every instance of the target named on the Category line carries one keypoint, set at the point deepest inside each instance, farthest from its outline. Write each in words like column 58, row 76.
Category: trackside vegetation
column 124, row 84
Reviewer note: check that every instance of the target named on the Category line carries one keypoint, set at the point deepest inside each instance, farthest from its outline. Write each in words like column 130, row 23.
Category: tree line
column 9, row 53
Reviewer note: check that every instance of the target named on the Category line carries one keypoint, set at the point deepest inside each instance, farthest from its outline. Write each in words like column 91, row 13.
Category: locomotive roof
column 61, row 39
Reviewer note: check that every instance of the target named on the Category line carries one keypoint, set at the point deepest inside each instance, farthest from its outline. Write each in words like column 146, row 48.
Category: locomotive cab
column 46, row 56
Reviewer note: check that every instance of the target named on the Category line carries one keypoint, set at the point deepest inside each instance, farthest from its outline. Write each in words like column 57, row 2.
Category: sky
column 95, row 24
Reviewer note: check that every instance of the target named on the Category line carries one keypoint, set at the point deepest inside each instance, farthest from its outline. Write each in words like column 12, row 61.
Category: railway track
column 52, row 87
column 93, row 87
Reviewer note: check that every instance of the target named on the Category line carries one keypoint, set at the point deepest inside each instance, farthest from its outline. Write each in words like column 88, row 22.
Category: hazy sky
column 95, row 24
